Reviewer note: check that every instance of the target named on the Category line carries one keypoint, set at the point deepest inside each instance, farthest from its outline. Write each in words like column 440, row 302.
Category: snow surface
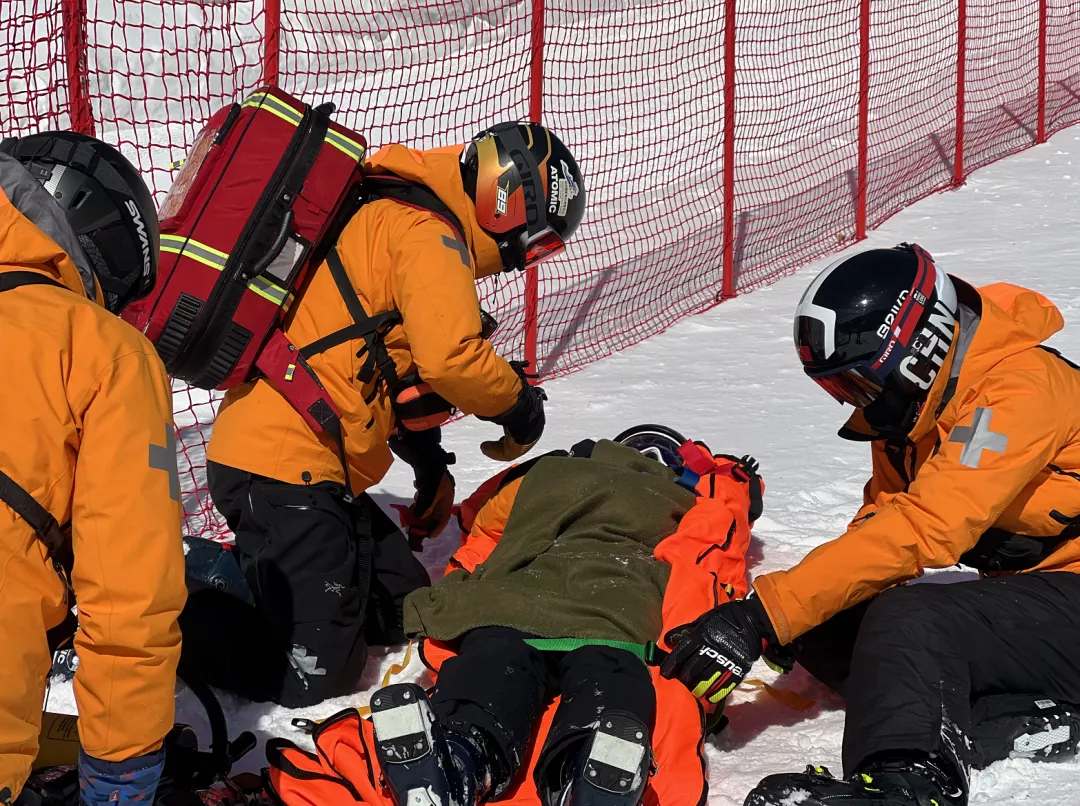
column 730, row 377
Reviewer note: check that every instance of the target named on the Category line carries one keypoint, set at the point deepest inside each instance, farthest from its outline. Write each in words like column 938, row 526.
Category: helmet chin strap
column 892, row 414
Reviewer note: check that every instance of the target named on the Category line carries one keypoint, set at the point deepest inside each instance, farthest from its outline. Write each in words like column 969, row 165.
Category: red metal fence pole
column 78, row 72
column 961, row 53
column 536, row 109
column 864, row 119
column 271, row 42
column 1040, row 135
column 728, row 281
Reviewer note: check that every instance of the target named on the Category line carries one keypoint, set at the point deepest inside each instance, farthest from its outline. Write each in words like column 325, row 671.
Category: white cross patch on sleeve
column 978, row 437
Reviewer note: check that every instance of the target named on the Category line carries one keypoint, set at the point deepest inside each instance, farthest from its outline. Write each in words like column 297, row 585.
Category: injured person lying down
column 576, row 572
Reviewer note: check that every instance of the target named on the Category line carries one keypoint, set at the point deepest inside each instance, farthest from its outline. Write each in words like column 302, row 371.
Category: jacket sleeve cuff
column 765, row 587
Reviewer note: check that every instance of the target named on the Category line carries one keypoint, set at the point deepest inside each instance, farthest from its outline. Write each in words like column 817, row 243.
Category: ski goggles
column 529, row 251
column 857, row 384
column 541, row 246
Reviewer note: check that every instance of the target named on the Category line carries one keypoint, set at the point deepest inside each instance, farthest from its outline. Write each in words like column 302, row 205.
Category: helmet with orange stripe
column 527, row 189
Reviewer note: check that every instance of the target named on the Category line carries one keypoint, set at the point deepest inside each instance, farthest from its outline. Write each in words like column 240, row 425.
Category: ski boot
column 64, row 664
column 1035, row 728
column 424, row 763
column 901, row 782
column 613, row 768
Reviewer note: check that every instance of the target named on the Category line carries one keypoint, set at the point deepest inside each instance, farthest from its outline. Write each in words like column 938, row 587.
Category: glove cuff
column 759, row 616
column 422, row 450
column 524, row 421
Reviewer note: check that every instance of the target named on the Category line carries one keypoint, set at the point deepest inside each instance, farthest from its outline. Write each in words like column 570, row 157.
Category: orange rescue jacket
column 86, row 414
column 997, row 445
column 398, row 258
column 708, row 565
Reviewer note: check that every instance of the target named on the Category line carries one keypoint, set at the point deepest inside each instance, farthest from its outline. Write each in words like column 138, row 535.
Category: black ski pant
column 931, row 668
column 328, row 576
column 500, row 684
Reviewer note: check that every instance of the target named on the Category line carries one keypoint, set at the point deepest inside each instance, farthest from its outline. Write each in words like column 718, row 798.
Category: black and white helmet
column 876, row 324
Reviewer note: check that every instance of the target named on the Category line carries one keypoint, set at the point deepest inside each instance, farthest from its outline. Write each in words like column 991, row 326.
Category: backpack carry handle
column 280, row 240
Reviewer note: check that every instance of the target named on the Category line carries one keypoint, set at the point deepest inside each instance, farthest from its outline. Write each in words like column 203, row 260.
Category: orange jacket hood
column 1013, row 319
column 35, row 236
column 439, row 169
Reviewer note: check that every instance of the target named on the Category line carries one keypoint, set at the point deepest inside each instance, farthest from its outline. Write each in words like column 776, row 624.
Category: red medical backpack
column 266, row 189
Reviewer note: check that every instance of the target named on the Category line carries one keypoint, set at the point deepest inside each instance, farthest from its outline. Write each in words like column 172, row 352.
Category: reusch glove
column 119, row 783
column 523, row 423
column 712, row 655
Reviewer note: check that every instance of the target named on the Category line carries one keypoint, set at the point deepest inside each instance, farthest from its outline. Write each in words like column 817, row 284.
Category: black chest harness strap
column 287, row 366
column 11, row 493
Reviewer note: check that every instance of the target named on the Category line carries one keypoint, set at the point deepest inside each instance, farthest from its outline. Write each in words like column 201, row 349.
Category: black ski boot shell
column 613, row 767
column 424, row 764
column 888, row 787
column 1049, row 733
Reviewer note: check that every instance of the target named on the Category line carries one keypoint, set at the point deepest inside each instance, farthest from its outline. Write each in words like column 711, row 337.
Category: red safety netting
column 634, row 89
column 1001, row 80
column 843, row 114
column 911, row 104
column 796, row 99
column 34, row 91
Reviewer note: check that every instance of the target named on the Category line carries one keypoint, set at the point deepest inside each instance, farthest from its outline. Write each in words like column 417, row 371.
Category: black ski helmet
column 655, row 441
column 527, row 189
column 106, row 202
column 874, row 328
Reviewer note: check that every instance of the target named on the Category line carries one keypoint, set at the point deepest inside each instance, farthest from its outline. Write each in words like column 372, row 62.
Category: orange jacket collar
column 32, row 229
column 438, row 169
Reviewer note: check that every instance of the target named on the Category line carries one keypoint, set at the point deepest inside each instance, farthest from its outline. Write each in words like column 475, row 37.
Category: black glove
column 523, row 423
column 432, row 506
column 714, row 654
column 434, row 499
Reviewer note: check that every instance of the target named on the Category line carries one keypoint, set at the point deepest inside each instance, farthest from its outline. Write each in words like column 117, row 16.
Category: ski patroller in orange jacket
column 1003, row 452
column 398, row 258
column 86, row 417
column 345, row 769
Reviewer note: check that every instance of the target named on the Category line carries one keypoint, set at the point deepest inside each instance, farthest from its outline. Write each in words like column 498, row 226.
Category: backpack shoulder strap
column 36, row 516
column 373, row 328
column 412, row 194
column 17, row 279
column 11, row 493
column 1052, row 351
